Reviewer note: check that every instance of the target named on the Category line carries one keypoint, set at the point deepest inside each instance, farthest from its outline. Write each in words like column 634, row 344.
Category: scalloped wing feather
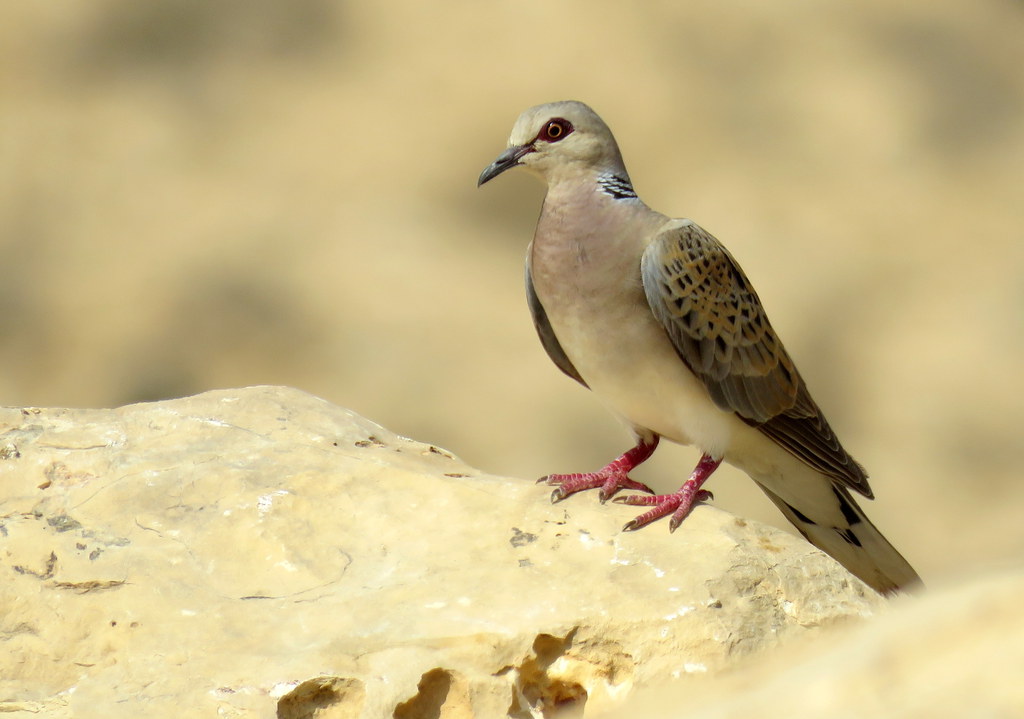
column 716, row 322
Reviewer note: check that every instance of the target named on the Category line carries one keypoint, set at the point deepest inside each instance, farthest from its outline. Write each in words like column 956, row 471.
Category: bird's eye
column 555, row 130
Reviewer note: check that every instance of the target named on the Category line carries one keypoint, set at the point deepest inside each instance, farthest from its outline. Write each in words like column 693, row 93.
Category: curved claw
column 631, row 526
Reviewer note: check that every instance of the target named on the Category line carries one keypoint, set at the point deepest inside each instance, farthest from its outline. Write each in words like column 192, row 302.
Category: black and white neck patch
column 618, row 187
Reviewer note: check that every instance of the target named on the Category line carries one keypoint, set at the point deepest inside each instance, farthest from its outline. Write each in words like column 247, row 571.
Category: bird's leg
column 679, row 504
column 611, row 479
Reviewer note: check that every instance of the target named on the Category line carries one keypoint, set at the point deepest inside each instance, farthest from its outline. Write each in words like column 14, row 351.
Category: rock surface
column 954, row 652
column 262, row 553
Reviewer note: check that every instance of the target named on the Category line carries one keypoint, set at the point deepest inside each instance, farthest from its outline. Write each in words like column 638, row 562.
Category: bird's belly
column 631, row 366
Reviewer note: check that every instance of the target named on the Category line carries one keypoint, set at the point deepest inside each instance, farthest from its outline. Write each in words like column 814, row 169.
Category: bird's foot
column 678, row 504
column 610, row 479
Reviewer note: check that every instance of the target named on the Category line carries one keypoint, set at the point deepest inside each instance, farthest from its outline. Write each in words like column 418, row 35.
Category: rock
column 260, row 552
column 954, row 652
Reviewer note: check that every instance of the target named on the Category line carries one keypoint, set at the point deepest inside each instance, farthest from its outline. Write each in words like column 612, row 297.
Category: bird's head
column 558, row 138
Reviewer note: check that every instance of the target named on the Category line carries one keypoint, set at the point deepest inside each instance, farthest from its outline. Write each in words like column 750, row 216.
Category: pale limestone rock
column 261, row 553
column 957, row 651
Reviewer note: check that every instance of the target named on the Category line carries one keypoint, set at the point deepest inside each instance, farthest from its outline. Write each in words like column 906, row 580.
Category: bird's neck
column 616, row 185
column 602, row 199
column 592, row 220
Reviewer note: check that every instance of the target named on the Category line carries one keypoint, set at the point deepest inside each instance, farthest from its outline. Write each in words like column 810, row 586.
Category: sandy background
column 197, row 195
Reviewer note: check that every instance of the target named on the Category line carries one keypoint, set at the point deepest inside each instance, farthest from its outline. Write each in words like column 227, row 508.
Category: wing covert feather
column 719, row 329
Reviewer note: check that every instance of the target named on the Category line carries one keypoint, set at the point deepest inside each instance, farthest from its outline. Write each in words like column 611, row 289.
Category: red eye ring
column 555, row 130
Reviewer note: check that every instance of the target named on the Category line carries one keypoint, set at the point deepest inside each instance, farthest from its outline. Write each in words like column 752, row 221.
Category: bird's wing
column 716, row 322
column 547, row 333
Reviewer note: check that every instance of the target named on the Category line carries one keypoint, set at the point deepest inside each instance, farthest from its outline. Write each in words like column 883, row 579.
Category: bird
column 655, row 316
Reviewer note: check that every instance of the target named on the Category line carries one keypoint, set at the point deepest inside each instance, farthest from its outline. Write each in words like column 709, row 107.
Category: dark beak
column 509, row 158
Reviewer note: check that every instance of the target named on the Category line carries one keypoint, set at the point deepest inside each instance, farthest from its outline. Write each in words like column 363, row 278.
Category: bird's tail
column 845, row 532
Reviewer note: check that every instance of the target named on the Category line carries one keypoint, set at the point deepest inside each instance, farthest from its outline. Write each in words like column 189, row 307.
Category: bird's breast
column 587, row 277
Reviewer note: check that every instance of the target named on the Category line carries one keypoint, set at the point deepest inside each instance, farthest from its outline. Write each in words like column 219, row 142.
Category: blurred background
column 199, row 195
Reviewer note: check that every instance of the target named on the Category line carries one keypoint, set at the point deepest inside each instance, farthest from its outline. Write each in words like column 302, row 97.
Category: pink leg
column 679, row 504
column 611, row 479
